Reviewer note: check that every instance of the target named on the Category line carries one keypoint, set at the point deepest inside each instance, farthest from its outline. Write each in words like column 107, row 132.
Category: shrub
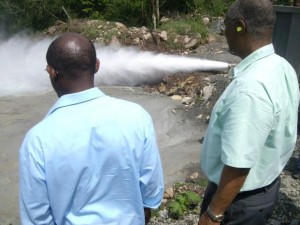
column 43, row 13
column 182, row 202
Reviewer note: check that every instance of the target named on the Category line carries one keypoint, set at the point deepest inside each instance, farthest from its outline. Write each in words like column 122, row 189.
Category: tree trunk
column 157, row 12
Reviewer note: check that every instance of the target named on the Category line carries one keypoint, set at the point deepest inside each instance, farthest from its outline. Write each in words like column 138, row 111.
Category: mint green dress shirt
column 254, row 123
column 92, row 160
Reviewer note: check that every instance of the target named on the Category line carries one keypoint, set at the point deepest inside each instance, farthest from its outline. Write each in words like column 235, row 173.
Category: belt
column 258, row 190
column 243, row 194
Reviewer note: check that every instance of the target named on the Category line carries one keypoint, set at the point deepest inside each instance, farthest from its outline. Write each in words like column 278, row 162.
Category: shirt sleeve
column 247, row 120
column 33, row 200
column 151, row 174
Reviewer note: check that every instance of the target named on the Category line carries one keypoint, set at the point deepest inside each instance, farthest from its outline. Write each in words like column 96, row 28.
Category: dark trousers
column 249, row 207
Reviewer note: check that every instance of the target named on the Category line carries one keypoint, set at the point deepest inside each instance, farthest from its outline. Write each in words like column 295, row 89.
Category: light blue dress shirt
column 254, row 122
column 92, row 160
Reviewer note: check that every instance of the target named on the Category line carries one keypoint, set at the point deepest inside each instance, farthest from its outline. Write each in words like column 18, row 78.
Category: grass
column 191, row 26
column 185, row 26
column 203, row 182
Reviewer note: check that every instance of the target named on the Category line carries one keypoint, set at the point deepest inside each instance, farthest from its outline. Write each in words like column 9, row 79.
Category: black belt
column 255, row 191
column 258, row 190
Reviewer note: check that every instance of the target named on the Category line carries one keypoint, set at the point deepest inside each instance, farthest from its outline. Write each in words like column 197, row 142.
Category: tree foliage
column 40, row 14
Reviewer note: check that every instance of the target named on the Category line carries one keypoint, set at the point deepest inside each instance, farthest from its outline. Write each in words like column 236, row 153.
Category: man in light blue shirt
column 253, row 128
column 93, row 159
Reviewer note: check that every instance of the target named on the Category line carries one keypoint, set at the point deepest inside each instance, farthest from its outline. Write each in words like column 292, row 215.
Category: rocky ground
column 287, row 212
column 198, row 93
column 209, row 87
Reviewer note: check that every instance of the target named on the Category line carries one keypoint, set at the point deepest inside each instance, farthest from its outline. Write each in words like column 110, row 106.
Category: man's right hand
column 147, row 215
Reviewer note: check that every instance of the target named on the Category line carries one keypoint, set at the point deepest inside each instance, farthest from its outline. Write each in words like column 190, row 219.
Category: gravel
column 287, row 211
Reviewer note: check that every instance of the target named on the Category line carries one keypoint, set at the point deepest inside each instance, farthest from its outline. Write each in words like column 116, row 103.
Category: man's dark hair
column 258, row 15
column 72, row 54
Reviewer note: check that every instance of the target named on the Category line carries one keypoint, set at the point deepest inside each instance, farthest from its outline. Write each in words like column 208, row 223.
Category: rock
column 100, row 39
column 172, row 91
column 176, row 97
column 199, row 117
column 174, row 111
column 193, row 178
column 147, row 36
column 186, row 100
column 199, row 36
column 207, row 91
column 92, row 22
column 164, row 214
column 207, row 118
column 169, row 193
column 211, row 38
column 164, row 201
column 52, row 30
column 186, row 39
column 215, row 25
column 156, row 37
column 136, row 41
column 115, row 42
column 205, row 21
column 164, row 19
column 120, row 26
column 144, row 29
column 59, row 23
column 163, row 35
column 192, row 44
column 162, row 88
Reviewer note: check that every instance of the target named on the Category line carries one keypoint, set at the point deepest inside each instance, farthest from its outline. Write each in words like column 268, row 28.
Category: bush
column 181, row 202
column 212, row 7
column 14, row 14
column 184, row 26
column 283, row 2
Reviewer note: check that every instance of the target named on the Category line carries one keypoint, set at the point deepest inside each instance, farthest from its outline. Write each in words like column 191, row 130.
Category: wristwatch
column 215, row 218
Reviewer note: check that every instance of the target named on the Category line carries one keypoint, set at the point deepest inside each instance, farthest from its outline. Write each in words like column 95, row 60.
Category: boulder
column 192, row 44
column 205, row 21
column 120, row 26
column 163, row 35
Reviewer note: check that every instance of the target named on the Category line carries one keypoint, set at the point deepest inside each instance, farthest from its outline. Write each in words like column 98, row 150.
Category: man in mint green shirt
column 253, row 127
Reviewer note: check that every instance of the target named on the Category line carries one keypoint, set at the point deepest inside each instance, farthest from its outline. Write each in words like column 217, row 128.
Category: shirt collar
column 253, row 57
column 76, row 98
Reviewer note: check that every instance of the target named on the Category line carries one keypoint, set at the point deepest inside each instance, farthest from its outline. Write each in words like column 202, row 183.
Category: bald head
column 258, row 15
column 72, row 55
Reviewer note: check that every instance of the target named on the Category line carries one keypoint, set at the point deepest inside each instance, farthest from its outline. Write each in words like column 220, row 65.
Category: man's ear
column 97, row 66
column 52, row 72
column 241, row 27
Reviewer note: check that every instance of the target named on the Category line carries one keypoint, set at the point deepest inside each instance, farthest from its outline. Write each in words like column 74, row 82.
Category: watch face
column 215, row 218
column 220, row 218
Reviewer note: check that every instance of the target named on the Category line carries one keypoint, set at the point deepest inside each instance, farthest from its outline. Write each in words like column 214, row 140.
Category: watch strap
column 215, row 218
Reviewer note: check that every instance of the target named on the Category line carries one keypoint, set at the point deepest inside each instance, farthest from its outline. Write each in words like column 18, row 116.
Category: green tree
column 33, row 14
column 40, row 14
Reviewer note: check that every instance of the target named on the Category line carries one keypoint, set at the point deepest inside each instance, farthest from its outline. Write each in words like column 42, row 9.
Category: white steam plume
column 23, row 63
column 127, row 66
